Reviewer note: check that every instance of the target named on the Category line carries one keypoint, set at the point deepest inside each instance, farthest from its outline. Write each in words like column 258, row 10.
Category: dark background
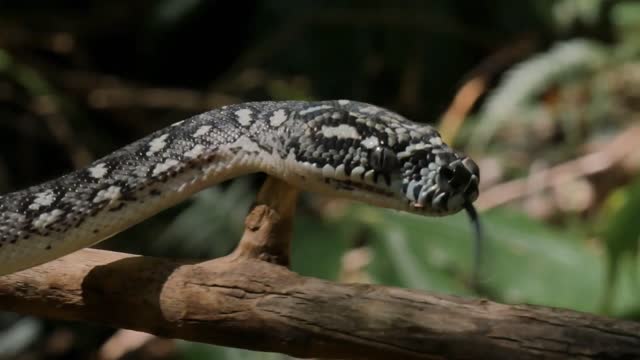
column 523, row 86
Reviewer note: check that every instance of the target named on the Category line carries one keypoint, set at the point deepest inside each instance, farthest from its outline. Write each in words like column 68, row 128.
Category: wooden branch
column 244, row 301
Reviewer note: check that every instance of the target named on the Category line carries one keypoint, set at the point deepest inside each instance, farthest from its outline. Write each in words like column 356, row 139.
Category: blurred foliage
column 526, row 87
column 619, row 229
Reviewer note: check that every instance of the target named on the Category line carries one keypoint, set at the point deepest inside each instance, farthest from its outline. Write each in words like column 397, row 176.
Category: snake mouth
column 445, row 189
column 388, row 198
column 348, row 185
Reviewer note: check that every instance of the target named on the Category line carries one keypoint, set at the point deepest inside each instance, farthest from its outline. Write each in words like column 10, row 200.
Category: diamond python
column 342, row 148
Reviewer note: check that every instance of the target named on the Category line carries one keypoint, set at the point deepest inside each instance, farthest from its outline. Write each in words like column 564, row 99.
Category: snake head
column 423, row 175
column 437, row 179
column 371, row 154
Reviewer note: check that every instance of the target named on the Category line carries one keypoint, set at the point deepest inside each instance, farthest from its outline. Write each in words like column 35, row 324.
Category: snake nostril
column 461, row 177
column 445, row 174
column 471, row 166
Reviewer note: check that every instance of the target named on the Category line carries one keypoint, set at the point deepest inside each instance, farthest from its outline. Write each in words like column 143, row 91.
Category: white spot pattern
column 343, row 102
column 245, row 143
column 341, row 131
column 314, row 109
column 202, row 130
column 157, row 144
column 98, row 171
column 278, row 117
column 44, row 198
column 111, row 193
column 370, row 110
column 411, row 148
column 195, row 152
column 244, row 117
column 370, row 142
column 47, row 218
column 166, row 165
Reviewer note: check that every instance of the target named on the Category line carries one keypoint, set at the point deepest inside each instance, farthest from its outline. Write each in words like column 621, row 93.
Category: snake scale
column 342, row 148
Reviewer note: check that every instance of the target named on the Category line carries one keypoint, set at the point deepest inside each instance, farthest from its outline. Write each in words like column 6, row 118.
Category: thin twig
column 598, row 161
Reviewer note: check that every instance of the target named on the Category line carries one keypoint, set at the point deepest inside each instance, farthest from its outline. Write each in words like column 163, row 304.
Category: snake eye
column 383, row 159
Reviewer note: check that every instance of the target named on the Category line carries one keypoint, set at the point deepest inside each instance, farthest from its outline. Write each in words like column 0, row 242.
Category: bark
column 250, row 300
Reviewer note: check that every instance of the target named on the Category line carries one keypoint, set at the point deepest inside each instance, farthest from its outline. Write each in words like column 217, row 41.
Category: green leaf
column 618, row 226
column 568, row 12
column 319, row 245
column 626, row 15
column 524, row 260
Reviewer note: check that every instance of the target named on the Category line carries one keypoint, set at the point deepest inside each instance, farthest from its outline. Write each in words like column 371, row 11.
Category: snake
column 343, row 148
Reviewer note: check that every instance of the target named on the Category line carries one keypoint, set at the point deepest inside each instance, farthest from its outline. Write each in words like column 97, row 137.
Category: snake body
column 344, row 148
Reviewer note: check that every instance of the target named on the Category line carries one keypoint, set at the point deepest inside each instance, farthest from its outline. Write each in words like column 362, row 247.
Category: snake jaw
column 440, row 189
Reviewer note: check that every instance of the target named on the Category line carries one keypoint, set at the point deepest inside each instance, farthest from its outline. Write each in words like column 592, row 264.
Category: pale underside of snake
column 341, row 148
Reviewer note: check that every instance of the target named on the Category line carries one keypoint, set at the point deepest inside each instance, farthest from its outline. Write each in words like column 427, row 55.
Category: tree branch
column 249, row 300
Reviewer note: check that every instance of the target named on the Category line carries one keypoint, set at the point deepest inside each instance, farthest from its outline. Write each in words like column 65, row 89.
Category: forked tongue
column 478, row 240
